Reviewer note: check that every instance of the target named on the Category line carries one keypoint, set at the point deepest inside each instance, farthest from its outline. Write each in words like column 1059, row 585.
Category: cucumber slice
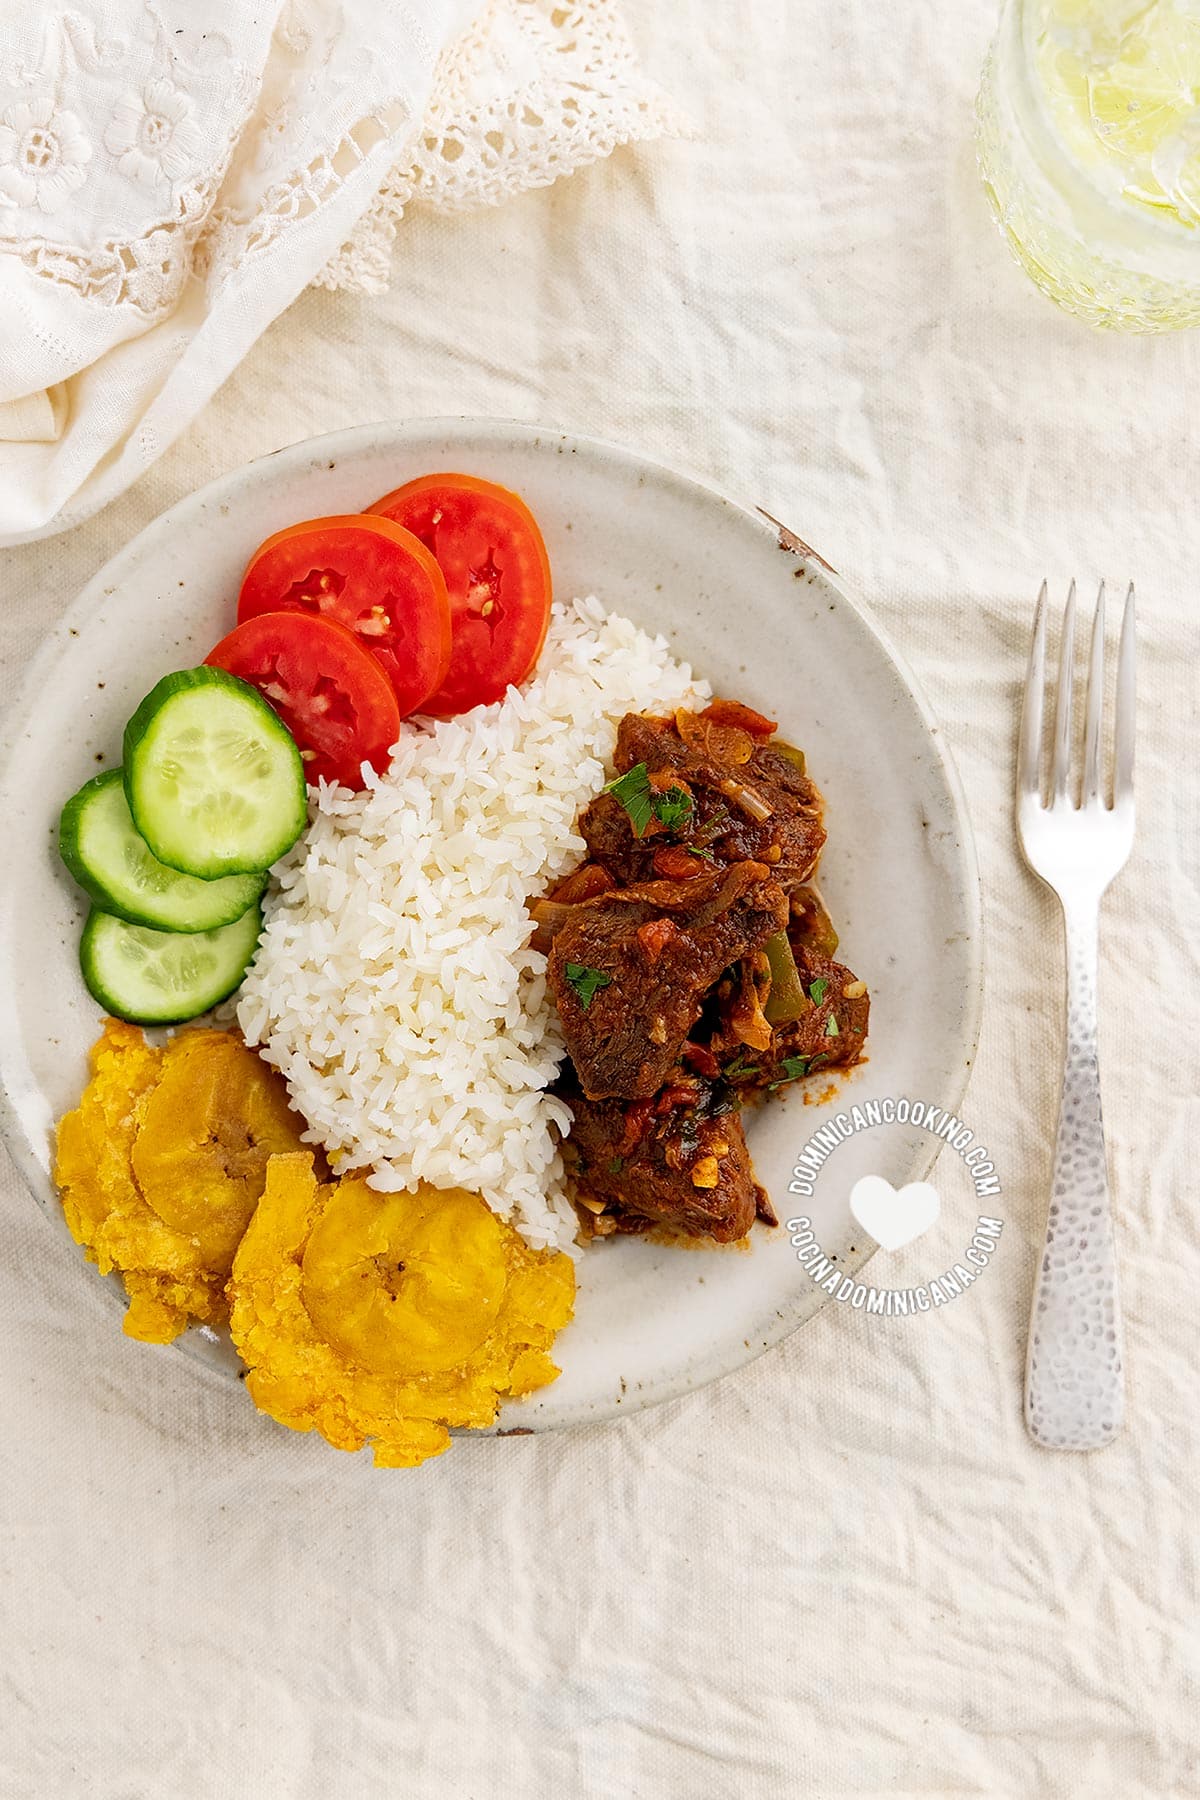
column 213, row 777
column 100, row 844
column 163, row 977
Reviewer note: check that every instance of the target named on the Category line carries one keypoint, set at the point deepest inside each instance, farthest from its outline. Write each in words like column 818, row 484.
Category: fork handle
column 1074, row 1372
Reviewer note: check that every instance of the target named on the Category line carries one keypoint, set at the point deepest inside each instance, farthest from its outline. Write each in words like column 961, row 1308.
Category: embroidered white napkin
column 167, row 188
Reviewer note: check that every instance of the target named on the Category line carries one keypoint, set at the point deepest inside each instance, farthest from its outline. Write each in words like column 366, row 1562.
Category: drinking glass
column 1088, row 134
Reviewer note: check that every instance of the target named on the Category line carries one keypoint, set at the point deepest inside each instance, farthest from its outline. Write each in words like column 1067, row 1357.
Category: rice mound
column 394, row 987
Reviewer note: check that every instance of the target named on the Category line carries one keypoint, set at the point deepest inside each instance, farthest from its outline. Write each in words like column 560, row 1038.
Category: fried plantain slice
column 165, row 1274
column 204, row 1167
column 217, row 1114
column 389, row 1317
column 403, row 1284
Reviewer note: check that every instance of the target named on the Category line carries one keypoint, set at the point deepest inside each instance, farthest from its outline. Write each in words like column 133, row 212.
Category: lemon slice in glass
column 1122, row 84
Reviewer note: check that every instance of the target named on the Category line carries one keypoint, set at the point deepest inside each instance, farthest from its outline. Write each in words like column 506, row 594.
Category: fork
column 1074, row 1373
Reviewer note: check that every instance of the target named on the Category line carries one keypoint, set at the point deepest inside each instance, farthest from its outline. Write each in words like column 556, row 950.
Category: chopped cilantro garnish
column 633, row 791
column 831, row 1027
column 818, row 989
column 616, row 1165
column 738, row 1067
column 586, row 982
column 813, row 1061
column 701, row 850
column 673, row 809
column 790, row 1069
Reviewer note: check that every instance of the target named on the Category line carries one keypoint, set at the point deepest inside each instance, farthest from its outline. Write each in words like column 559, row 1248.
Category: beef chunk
column 667, row 1163
column 795, row 822
column 836, row 1028
column 629, row 970
column 605, row 828
column 829, row 1033
column 711, row 770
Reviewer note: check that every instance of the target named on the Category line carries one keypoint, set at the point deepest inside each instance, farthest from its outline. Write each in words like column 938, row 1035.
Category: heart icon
column 894, row 1216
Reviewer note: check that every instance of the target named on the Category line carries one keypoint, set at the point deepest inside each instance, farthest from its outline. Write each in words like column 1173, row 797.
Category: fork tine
column 1029, row 749
column 1095, row 705
column 1126, row 684
column 1062, row 704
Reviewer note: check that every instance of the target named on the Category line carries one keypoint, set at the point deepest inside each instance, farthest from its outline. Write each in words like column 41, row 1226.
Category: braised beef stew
column 692, row 963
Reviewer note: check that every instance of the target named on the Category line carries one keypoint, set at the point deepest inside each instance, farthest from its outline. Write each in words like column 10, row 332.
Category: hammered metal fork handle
column 1074, row 1374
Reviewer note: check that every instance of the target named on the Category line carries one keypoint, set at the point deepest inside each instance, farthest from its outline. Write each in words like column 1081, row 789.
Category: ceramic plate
column 754, row 611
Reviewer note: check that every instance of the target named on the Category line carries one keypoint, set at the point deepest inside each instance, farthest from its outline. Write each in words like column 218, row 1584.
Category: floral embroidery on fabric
column 147, row 272
column 160, row 143
column 178, row 172
column 44, row 152
column 308, row 26
column 533, row 90
column 153, row 135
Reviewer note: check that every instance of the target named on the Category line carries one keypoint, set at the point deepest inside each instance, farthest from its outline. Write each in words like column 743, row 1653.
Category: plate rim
column 809, row 1302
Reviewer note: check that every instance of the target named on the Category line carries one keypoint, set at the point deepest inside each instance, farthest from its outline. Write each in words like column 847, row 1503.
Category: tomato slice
column 333, row 697
column 369, row 575
column 497, row 575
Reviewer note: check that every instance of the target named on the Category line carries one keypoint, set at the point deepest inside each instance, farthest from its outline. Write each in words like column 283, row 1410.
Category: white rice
column 394, row 987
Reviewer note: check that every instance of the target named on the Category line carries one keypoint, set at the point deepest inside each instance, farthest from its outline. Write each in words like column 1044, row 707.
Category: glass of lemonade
column 1089, row 144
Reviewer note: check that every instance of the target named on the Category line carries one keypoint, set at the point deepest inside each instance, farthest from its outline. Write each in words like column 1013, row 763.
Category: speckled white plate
column 756, row 613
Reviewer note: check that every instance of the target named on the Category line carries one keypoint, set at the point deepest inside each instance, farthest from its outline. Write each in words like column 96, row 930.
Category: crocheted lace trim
column 534, row 91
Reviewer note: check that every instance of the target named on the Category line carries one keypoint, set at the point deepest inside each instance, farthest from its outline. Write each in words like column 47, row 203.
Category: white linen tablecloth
column 845, row 1570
